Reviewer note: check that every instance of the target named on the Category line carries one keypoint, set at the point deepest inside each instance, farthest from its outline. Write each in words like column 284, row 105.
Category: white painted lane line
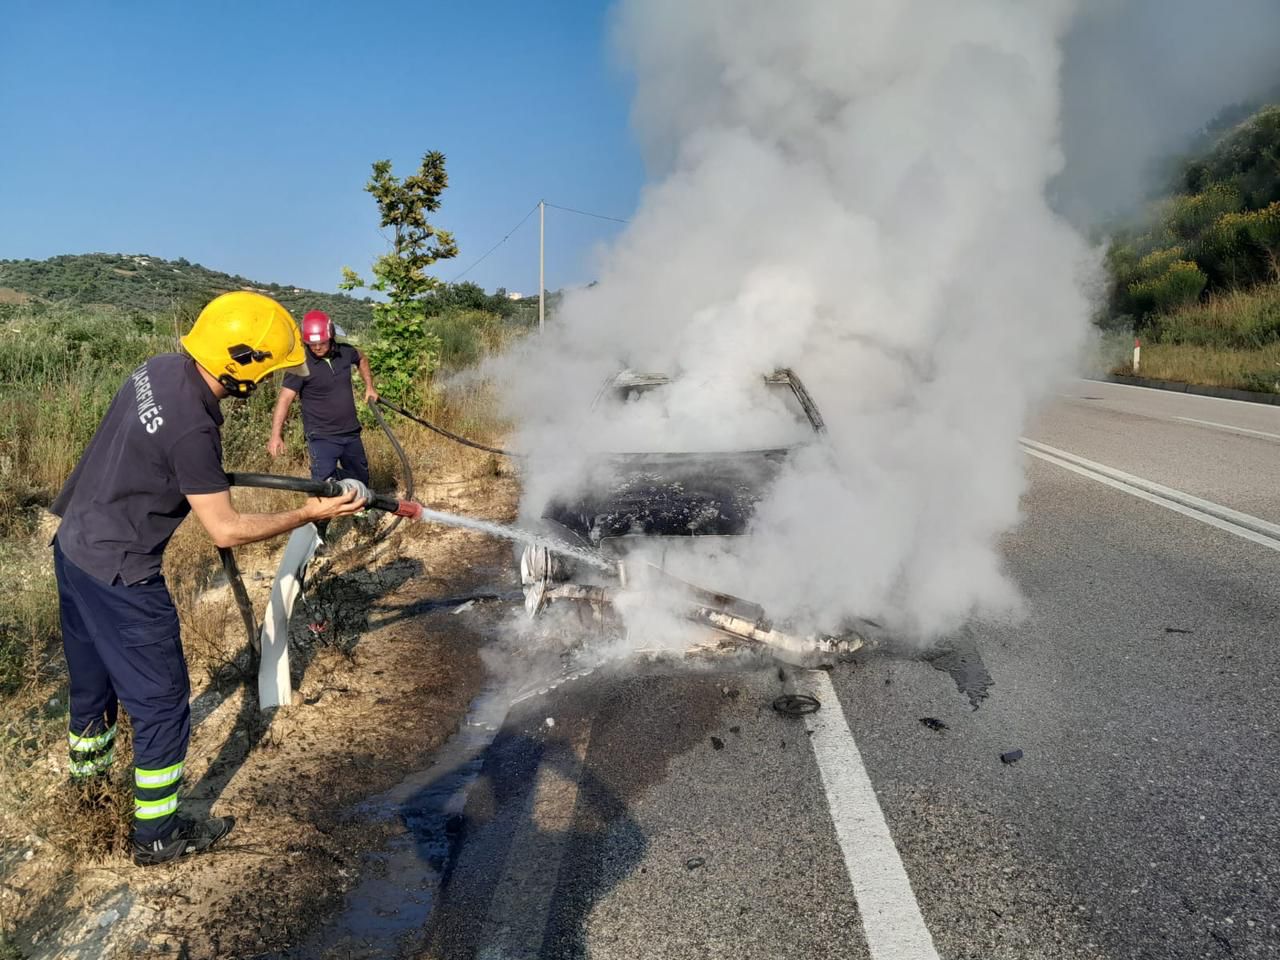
column 891, row 919
column 1151, row 391
column 1229, row 427
column 1234, row 529
column 1246, row 520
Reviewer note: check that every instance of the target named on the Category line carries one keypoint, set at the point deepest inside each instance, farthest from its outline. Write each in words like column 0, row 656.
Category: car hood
column 670, row 494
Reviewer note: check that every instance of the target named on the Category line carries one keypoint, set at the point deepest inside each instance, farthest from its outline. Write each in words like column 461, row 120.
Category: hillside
column 1217, row 233
column 1199, row 280
column 150, row 284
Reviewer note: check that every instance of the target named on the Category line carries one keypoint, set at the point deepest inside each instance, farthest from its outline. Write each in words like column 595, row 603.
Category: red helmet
column 317, row 327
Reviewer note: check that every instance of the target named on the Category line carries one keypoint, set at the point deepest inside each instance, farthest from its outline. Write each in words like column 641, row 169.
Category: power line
column 477, row 263
column 584, row 213
column 581, row 213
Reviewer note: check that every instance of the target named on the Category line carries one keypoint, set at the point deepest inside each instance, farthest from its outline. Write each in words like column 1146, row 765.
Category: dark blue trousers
column 338, row 458
column 123, row 646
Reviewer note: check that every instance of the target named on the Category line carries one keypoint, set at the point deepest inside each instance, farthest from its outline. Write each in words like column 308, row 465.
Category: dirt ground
column 384, row 673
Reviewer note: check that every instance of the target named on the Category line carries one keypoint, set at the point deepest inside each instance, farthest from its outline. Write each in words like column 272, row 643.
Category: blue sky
column 239, row 135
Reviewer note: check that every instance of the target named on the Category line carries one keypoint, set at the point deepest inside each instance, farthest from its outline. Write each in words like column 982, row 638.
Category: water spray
column 413, row 510
column 721, row 612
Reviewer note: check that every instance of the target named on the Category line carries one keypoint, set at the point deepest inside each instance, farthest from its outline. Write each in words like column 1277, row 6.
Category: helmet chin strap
column 235, row 387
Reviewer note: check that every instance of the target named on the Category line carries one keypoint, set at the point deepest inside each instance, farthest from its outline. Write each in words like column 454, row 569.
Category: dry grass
column 1208, row 366
column 86, row 822
column 467, row 408
column 1230, row 340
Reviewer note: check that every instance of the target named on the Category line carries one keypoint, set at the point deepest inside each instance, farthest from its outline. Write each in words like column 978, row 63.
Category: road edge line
column 891, row 919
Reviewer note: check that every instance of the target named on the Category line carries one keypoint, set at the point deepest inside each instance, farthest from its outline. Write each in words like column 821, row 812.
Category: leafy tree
column 469, row 296
column 404, row 349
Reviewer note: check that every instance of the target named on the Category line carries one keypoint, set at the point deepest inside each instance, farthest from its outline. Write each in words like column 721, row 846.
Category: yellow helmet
column 241, row 337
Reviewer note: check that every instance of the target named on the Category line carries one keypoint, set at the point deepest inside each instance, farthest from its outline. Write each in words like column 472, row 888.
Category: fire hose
column 316, row 488
column 328, row 488
column 232, row 570
column 404, row 464
column 447, row 434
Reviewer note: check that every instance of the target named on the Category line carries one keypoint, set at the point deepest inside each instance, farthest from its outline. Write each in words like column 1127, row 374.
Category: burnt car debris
column 655, row 513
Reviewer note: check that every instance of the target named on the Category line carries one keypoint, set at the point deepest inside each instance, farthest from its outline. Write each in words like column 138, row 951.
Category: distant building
column 515, row 296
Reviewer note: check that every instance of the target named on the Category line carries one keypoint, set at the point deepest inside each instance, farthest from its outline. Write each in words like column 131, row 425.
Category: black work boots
column 188, row 837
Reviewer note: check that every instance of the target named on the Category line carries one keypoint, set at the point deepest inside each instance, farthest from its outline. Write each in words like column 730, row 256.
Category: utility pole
column 542, row 284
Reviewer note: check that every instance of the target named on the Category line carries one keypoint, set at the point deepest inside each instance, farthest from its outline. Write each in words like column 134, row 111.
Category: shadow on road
column 536, row 808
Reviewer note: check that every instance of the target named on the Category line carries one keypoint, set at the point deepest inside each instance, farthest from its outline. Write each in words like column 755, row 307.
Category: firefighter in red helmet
column 329, row 419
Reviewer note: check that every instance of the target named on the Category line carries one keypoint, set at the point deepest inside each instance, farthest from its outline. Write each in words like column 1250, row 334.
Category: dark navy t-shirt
column 158, row 442
column 328, row 405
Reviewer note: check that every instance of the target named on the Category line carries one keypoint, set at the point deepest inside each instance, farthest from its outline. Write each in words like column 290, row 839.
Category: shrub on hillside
column 1246, row 157
column 1243, row 320
column 464, row 336
column 1189, row 215
column 1224, row 227
column 1178, row 285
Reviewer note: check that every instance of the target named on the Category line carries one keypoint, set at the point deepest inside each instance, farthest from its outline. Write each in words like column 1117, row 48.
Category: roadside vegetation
column 153, row 285
column 1199, row 282
column 62, row 365
column 74, row 328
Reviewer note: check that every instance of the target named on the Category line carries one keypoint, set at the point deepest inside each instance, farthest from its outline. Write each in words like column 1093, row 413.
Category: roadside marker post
column 1137, row 353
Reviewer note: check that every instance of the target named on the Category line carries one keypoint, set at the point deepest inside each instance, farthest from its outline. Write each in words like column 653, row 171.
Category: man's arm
column 275, row 446
column 230, row 528
column 370, row 394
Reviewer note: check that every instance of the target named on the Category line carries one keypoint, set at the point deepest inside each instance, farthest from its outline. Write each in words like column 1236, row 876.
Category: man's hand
column 275, row 446
column 366, row 374
column 326, row 508
column 230, row 528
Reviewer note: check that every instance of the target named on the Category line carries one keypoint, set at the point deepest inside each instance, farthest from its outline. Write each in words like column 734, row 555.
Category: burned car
column 657, row 515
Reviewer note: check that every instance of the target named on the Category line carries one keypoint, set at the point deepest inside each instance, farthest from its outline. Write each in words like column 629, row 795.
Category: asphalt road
column 678, row 815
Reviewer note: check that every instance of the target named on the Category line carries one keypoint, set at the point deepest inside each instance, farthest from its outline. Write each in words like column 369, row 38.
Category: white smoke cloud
column 1141, row 80
column 854, row 189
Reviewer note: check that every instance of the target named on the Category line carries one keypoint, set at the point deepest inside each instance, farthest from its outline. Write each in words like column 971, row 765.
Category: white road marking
column 1243, row 525
column 891, row 919
column 1230, row 427
column 1178, row 393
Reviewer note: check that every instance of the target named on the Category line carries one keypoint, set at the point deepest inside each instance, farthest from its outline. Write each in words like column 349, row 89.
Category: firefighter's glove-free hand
column 362, row 492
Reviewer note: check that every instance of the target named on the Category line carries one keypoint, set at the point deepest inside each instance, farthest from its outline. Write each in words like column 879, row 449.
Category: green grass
column 1241, row 320
column 1231, row 340
column 58, row 372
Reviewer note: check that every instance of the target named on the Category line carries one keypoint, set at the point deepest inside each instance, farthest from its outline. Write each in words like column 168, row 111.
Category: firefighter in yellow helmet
column 157, row 455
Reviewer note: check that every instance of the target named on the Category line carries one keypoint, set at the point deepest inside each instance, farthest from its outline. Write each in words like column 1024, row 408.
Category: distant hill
column 1216, row 233
column 150, row 284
